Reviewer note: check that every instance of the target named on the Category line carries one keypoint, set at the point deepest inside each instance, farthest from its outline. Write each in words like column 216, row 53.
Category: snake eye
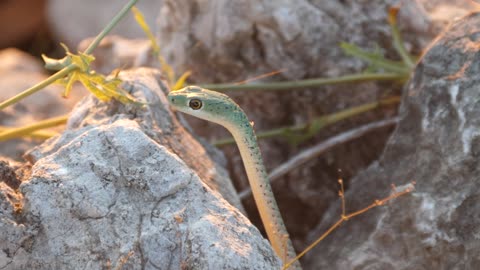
column 195, row 104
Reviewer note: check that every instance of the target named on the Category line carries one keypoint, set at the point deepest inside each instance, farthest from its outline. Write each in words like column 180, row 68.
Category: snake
column 219, row 108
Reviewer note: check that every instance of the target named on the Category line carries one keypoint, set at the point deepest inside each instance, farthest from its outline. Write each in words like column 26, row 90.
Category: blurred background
column 38, row 27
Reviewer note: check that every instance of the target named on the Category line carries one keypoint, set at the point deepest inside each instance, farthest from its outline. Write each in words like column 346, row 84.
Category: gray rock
column 230, row 41
column 435, row 144
column 16, row 237
column 113, row 191
column 156, row 120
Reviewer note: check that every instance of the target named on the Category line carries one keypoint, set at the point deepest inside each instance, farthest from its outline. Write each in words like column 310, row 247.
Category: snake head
column 206, row 104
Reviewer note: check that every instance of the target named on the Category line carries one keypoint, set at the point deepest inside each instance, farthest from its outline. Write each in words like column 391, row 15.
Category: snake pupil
column 195, row 104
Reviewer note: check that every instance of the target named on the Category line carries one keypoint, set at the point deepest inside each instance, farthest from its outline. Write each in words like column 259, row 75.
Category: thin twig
column 319, row 122
column 307, row 83
column 39, row 134
column 386, row 64
column 395, row 194
column 18, row 132
column 341, row 193
column 261, row 76
column 320, row 148
column 397, row 38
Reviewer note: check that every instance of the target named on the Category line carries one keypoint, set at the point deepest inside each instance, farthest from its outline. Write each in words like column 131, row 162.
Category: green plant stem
column 39, row 134
column 39, row 86
column 27, row 130
column 323, row 120
column 398, row 41
column 62, row 73
column 398, row 45
column 388, row 65
column 110, row 26
column 307, row 83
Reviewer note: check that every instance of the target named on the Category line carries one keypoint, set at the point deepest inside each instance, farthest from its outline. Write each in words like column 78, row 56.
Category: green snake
column 219, row 108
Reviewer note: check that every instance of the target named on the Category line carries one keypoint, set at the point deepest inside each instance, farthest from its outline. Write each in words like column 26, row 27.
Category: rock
column 16, row 237
column 8, row 176
column 230, row 41
column 225, row 41
column 156, row 121
column 18, row 72
column 66, row 16
column 112, row 191
column 435, row 144
column 361, row 23
column 234, row 41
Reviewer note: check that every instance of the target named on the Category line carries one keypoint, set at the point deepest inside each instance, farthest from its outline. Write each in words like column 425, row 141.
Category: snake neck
column 252, row 158
column 246, row 140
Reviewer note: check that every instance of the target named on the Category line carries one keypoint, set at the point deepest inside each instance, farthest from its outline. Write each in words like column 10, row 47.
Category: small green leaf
column 69, row 84
column 376, row 59
column 58, row 64
column 55, row 64
column 84, row 79
column 105, row 89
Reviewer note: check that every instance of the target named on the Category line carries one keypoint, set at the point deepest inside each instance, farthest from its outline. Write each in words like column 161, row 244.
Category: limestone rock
column 16, row 237
column 435, row 144
column 156, row 121
column 230, row 41
column 225, row 41
column 127, row 186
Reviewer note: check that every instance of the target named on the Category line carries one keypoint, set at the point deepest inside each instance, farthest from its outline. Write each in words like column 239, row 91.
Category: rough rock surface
column 437, row 144
column 229, row 41
column 18, row 72
column 112, row 192
column 224, row 40
column 156, row 121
